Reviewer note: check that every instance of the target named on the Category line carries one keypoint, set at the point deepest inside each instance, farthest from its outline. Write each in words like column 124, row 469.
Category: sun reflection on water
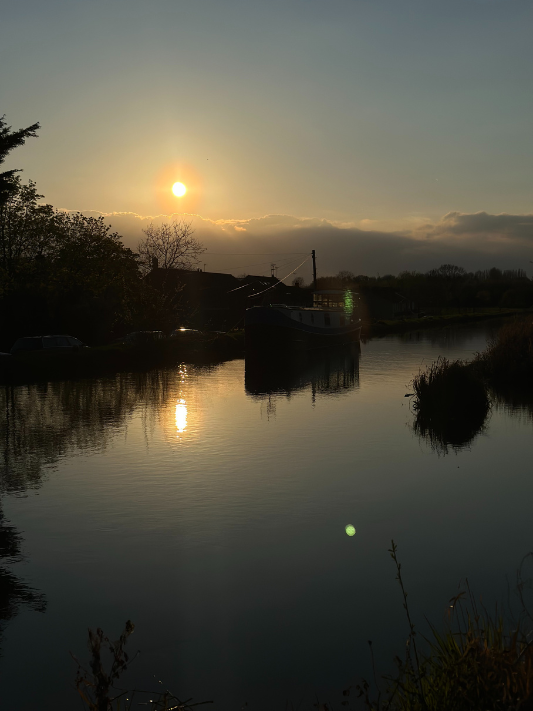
column 181, row 415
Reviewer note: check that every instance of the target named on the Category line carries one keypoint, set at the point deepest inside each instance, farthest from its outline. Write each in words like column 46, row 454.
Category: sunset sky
column 374, row 119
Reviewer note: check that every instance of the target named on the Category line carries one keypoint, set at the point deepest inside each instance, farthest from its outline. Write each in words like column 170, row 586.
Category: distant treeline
column 449, row 286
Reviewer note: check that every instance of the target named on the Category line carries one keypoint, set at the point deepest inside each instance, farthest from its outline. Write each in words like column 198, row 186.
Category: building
column 216, row 301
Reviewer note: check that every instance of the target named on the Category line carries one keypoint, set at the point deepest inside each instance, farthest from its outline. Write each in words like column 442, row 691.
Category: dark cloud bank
column 473, row 241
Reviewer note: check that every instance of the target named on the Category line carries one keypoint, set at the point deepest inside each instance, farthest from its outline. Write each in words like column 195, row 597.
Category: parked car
column 47, row 343
column 138, row 338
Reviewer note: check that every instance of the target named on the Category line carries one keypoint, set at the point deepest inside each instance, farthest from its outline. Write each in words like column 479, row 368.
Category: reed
column 451, row 403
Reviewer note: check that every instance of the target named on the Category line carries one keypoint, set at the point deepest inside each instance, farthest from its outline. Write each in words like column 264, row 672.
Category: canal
column 209, row 505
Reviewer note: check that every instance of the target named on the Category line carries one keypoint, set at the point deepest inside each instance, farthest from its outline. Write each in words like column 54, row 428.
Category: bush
column 451, row 403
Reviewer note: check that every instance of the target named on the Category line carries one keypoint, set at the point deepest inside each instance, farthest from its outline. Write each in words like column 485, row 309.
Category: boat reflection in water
column 326, row 371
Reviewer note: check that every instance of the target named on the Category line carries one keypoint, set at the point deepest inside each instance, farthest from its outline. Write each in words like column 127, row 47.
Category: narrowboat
column 334, row 319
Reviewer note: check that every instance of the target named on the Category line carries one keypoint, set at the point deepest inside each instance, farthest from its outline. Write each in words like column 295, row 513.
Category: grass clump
column 451, row 403
column 477, row 663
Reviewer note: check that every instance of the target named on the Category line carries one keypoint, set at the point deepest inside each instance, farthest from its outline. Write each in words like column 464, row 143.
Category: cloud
column 471, row 240
column 503, row 227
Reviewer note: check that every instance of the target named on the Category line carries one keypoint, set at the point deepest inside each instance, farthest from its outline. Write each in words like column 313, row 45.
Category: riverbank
column 382, row 328
column 452, row 399
column 193, row 346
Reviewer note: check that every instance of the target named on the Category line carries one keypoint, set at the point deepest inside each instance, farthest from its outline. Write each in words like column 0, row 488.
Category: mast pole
column 314, row 268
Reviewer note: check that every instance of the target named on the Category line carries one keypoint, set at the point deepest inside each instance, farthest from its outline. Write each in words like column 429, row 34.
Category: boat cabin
column 344, row 299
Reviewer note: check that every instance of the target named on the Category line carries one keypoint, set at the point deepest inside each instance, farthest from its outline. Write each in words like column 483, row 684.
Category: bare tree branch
column 172, row 245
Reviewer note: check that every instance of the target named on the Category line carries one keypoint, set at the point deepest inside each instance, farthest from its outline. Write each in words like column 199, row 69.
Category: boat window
column 312, row 318
column 326, row 320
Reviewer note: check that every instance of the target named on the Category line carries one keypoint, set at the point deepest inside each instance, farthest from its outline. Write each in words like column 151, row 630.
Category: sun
column 179, row 189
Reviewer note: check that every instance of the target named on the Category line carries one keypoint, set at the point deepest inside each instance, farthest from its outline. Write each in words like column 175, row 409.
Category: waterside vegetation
column 444, row 320
column 451, row 403
column 479, row 661
column 453, row 399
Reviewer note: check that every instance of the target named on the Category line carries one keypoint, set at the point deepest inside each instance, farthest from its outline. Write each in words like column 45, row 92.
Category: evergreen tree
column 8, row 141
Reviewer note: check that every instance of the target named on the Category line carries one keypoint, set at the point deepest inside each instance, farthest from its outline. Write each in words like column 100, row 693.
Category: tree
column 170, row 246
column 8, row 141
column 62, row 271
column 447, row 271
column 27, row 229
column 346, row 276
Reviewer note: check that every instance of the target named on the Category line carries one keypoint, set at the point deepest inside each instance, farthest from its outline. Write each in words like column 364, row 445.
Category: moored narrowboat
column 334, row 319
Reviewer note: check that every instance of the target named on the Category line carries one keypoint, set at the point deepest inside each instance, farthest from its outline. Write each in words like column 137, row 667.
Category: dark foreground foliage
column 97, row 684
column 451, row 403
column 478, row 663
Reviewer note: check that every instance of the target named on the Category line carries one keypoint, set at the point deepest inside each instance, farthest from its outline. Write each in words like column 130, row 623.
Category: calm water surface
column 209, row 505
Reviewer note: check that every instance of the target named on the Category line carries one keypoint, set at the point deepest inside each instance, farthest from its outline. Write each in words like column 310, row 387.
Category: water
column 209, row 506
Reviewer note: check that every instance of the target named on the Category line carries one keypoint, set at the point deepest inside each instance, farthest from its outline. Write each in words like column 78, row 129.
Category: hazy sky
column 373, row 114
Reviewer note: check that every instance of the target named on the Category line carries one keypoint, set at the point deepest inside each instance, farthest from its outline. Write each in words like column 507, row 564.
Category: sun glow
column 179, row 189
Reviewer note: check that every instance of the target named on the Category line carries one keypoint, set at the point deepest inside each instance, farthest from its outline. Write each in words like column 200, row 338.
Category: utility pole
column 314, row 268
column 273, row 268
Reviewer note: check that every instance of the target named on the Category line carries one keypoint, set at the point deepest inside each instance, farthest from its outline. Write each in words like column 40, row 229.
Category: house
column 217, row 301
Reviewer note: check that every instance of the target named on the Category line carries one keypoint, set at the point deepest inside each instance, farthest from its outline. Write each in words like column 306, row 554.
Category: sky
column 387, row 134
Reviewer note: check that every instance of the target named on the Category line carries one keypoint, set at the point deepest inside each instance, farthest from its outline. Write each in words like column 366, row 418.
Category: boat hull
column 274, row 328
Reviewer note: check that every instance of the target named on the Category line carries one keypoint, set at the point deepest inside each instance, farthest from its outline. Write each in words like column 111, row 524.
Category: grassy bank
column 452, row 399
column 380, row 328
column 193, row 346
column 478, row 661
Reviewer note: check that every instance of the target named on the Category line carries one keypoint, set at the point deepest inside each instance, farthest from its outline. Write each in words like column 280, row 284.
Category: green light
column 350, row 530
column 348, row 303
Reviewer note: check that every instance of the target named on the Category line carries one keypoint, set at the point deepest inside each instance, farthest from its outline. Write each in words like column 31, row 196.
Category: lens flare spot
column 179, row 189
column 350, row 530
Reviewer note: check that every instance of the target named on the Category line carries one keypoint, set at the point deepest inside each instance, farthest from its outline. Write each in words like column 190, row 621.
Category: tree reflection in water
column 13, row 591
column 42, row 422
column 517, row 402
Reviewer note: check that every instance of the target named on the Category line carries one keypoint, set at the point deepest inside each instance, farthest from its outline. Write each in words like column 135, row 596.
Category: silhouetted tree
column 62, row 271
column 8, row 141
column 170, row 246
column 447, row 271
column 346, row 276
column 27, row 229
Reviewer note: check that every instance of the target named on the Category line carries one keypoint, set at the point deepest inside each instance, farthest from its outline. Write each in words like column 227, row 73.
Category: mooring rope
column 250, row 296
